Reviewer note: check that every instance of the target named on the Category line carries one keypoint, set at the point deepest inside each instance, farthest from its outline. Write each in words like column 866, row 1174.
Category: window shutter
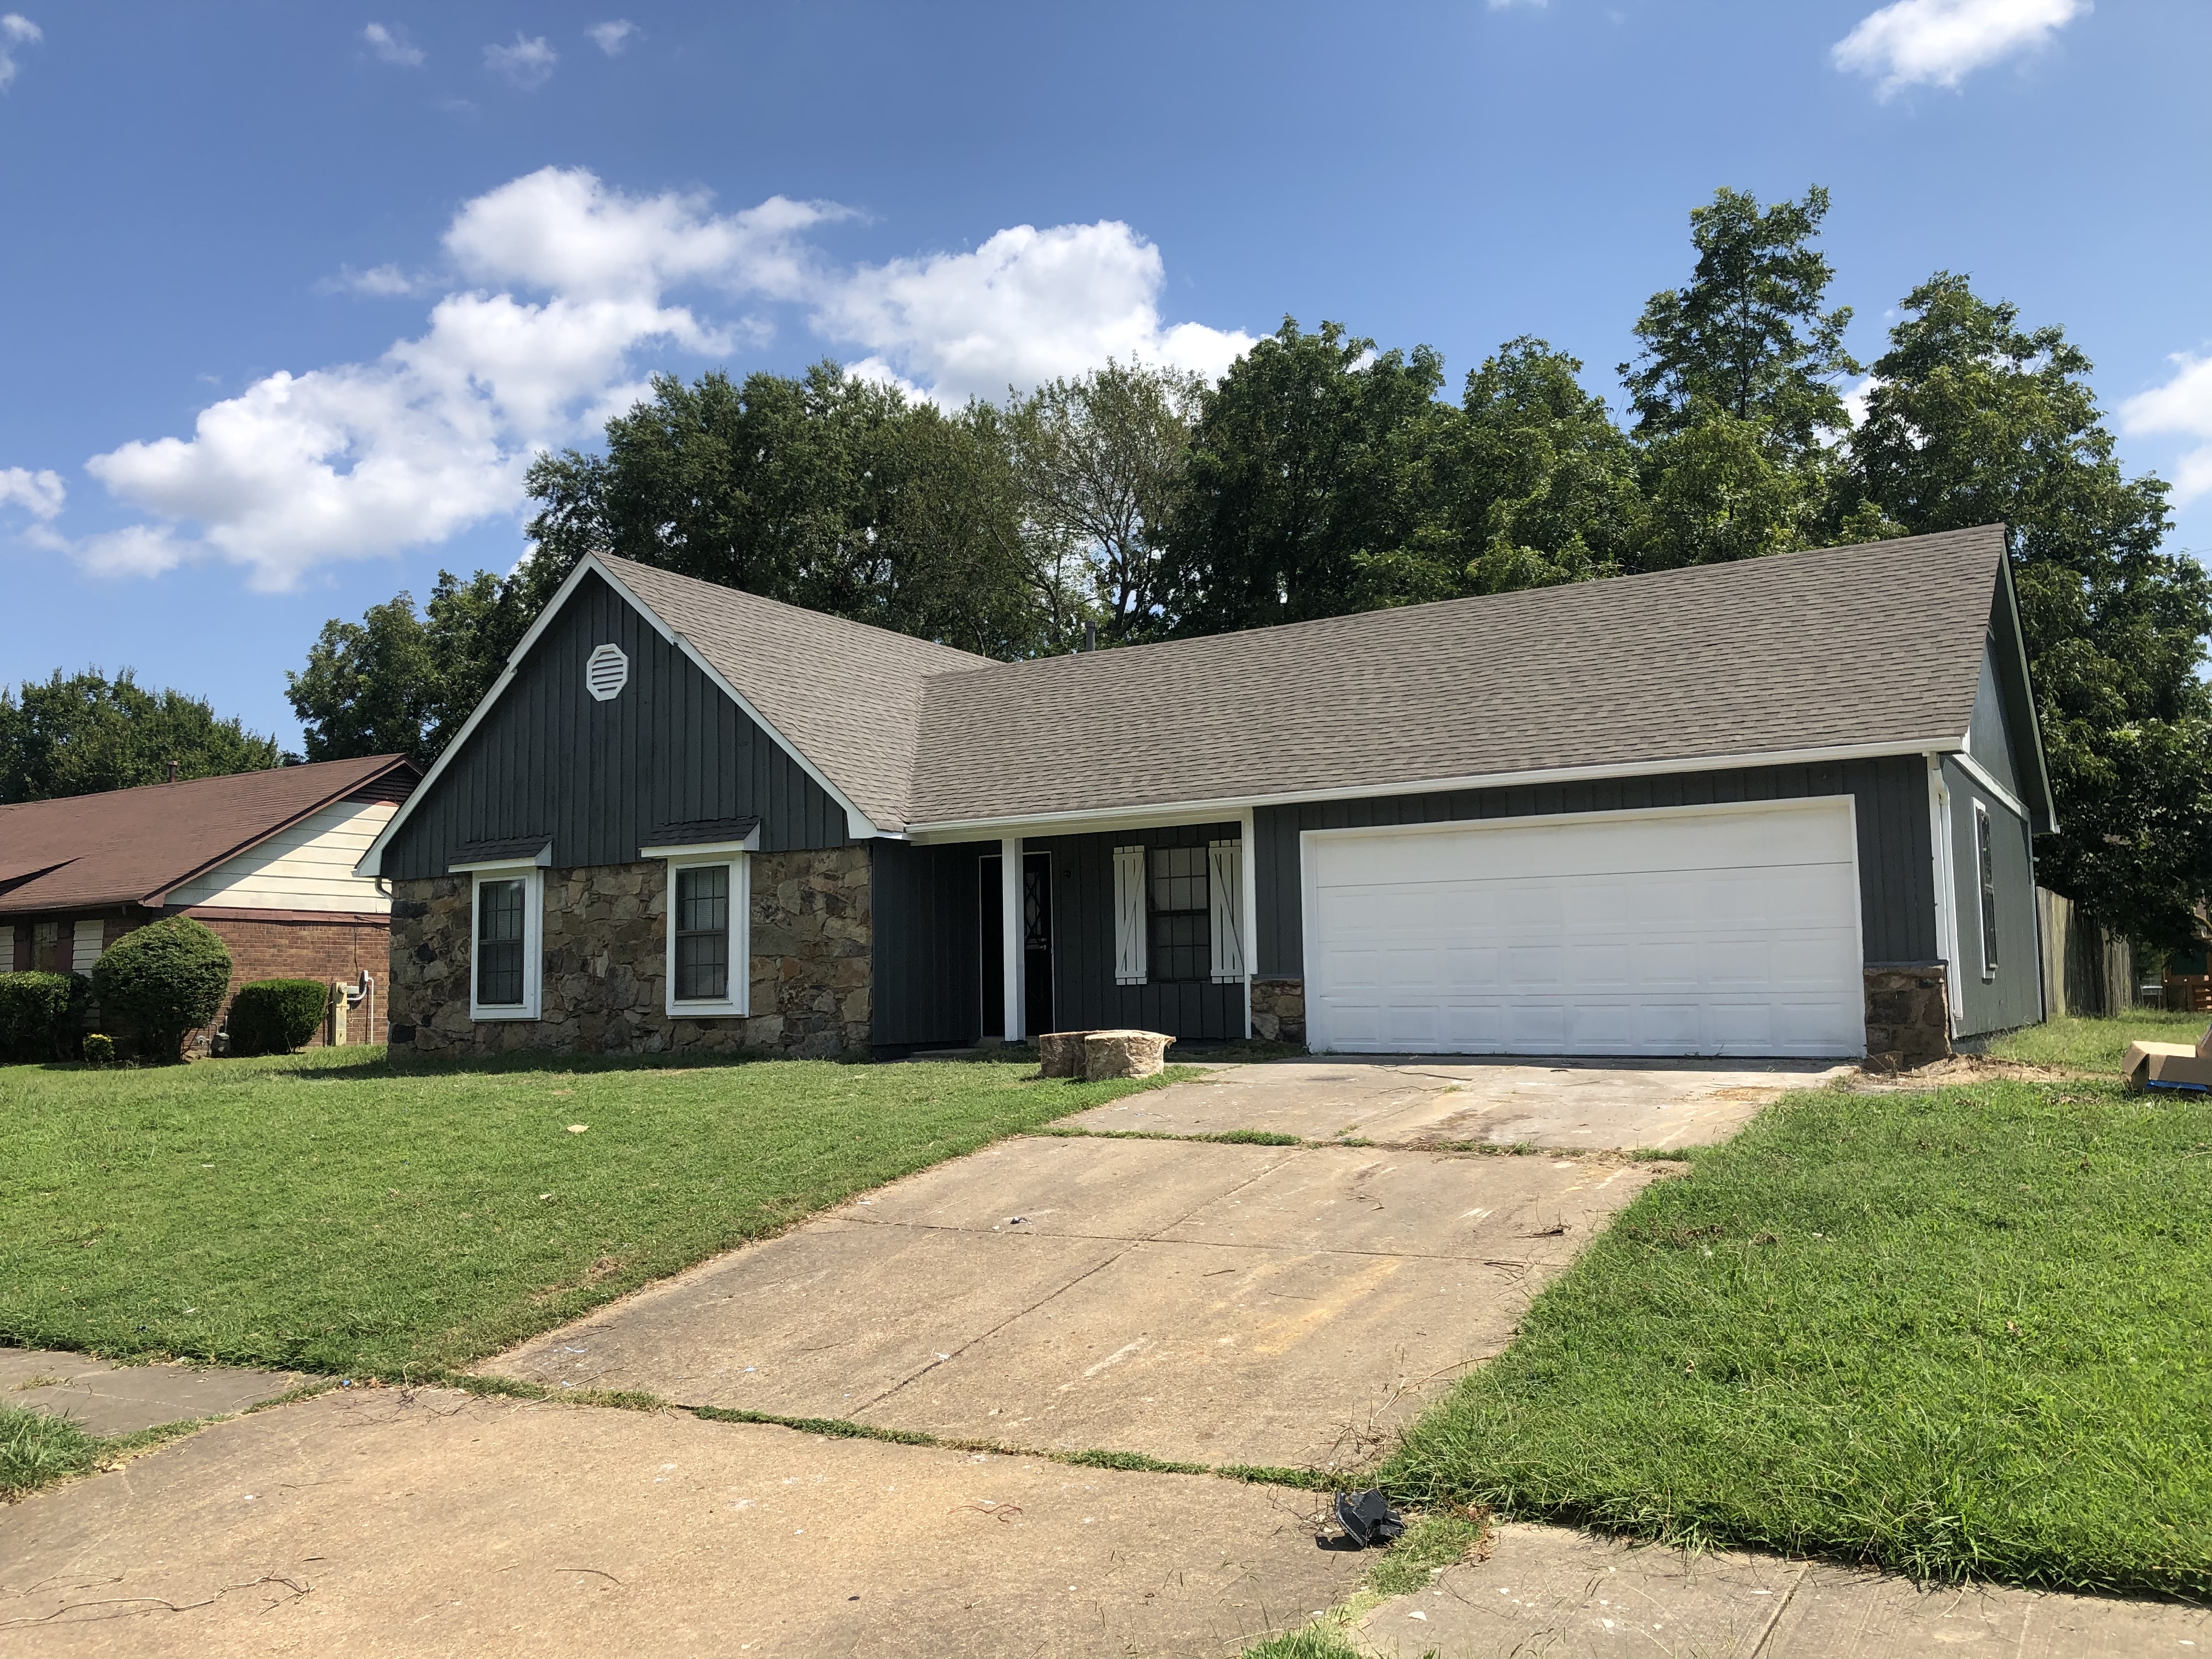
column 1129, row 941
column 1224, row 882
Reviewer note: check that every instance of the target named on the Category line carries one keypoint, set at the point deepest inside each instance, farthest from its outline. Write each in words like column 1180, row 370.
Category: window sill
column 485, row 1015
column 705, row 1011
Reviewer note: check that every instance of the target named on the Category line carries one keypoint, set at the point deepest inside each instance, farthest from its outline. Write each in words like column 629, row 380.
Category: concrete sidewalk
column 1551, row 1591
column 383, row 1522
column 105, row 1399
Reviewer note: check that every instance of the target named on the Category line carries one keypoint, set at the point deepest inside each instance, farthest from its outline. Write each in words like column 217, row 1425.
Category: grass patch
column 1312, row 1642
column 322, row 1212
column 38, row 1448
column 1955, row 1333
column 2095, row 1045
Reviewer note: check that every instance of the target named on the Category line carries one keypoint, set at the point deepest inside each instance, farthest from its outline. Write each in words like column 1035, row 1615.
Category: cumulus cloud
column 528, row 62
column 391, row 45
column 1026, row 305
column 560, row 291
column 611, row 38
column 1939, row 42
column 2182, row 405
column 15, row 30
column 40, row 494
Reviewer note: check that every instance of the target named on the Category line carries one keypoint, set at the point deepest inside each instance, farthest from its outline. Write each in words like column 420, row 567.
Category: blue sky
column 289, row 294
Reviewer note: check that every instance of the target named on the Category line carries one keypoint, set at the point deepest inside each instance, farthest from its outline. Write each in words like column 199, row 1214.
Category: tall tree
column 397, row 682
column 1734, row 389
column 826, row 491
column 1312, row 452
column 1972, row 420
column 82, row 733
column 1102, row 459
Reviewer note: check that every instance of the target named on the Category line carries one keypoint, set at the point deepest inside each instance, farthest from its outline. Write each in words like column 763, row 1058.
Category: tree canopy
column 80, row 734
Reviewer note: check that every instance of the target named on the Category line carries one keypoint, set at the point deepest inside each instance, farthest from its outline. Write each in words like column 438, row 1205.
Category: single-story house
column 1782, row 807
column 265, row 858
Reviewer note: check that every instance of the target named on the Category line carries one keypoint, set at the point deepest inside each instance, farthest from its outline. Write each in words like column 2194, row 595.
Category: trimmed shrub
column 276, row 1015
column 39, row 1014
column 163, row 980
column 99, row 1049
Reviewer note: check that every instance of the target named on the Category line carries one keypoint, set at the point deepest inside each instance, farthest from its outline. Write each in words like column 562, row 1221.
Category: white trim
column 737, row 1001
column 1308, row 881
column 532, row 877
column 857, row 823
column 1132, row 908
column 1974, row 770
column 1946, row 886
column 1225, row 913
column 542, row 858
column 1223, row 808
column 703, row 849
column 1251, row 900
column 1012, row 933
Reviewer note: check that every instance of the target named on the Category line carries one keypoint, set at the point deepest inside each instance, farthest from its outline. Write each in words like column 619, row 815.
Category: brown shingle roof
column 1872, row 645
column 846, row 695
column 126, row 846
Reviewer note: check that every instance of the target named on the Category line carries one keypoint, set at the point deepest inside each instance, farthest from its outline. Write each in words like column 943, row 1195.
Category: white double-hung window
column 507, row 927
column 709, row 903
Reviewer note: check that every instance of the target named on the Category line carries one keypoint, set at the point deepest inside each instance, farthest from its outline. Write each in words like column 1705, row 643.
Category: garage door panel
column 1731, row 931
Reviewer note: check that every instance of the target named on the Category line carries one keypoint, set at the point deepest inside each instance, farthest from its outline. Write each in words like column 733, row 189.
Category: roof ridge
column 1688, row 575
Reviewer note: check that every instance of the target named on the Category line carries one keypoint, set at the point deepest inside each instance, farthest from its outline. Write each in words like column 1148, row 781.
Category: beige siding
column 307, row 867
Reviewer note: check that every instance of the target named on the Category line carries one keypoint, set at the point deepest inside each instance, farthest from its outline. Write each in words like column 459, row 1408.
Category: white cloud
column 1938, row 42
column 1026, row 305
column 384, row 281
column 528, row 62
column 611, row 38
column 2183, row 406
column 40, row 494
column 392, row 46
column 563, row 297
column 15, row 30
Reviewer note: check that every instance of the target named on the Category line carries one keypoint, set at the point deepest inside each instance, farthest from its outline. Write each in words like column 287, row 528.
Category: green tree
column 80, row 734
column 1101, row 459
column 1972, row 420
column 828, row 491
column 1734, row 389
column 1310, row 459
column 397, row 682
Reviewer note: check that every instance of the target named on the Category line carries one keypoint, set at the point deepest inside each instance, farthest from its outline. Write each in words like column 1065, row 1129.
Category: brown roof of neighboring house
column 132, row 846
column 847, row 696
column 1875, row 644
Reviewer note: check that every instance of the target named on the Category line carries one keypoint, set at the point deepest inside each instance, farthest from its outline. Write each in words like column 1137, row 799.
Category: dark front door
column 1036, row 943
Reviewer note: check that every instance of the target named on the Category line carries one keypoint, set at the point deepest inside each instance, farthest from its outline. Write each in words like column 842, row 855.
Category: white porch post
column 1009, row 908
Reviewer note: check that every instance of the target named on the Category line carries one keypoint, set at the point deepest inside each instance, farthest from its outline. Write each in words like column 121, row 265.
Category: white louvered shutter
column 1129, row 940
column 1225, row 885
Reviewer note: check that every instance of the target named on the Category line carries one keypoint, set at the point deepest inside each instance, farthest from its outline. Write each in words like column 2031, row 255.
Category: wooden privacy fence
column 2086, row 970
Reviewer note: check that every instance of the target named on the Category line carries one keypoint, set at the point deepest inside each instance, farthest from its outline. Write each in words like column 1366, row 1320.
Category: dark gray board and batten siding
column 601, row 778
column 927, row 925
column 1897, row 892
column 2013, row 996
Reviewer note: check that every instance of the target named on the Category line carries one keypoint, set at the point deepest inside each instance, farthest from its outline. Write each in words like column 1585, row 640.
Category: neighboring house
column 1778, row 807
column 265, row 858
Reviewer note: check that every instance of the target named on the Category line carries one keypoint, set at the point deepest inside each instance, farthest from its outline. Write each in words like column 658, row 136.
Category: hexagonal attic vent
column 606, row 670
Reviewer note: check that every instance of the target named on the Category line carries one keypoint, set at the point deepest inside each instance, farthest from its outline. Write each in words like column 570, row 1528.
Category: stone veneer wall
column 1278, row 1010
column 607, row 960
column 1908, row 1014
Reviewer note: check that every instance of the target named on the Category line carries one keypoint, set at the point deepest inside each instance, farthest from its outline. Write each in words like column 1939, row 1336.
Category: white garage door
column 1711, row 931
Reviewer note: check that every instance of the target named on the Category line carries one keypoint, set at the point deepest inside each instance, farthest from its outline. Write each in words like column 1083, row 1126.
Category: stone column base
column 1908, row 1013
column 1278, row 1010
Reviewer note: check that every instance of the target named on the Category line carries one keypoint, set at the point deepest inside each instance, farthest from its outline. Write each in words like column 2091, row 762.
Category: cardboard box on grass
column 2169, row 1066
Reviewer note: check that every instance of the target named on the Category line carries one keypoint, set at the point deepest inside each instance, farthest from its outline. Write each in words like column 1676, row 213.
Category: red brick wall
column 316, row 949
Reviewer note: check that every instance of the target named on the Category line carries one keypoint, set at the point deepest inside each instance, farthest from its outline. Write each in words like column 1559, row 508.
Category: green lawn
column 322, row 1212
column 2096, row 1045
column 1958, row 1332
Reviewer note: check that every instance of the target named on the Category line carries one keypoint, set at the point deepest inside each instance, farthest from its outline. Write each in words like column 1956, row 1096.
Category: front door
column 1036, row 944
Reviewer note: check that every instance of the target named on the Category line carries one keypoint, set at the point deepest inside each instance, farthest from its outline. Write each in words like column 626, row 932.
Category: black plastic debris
column 1367, row 1517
